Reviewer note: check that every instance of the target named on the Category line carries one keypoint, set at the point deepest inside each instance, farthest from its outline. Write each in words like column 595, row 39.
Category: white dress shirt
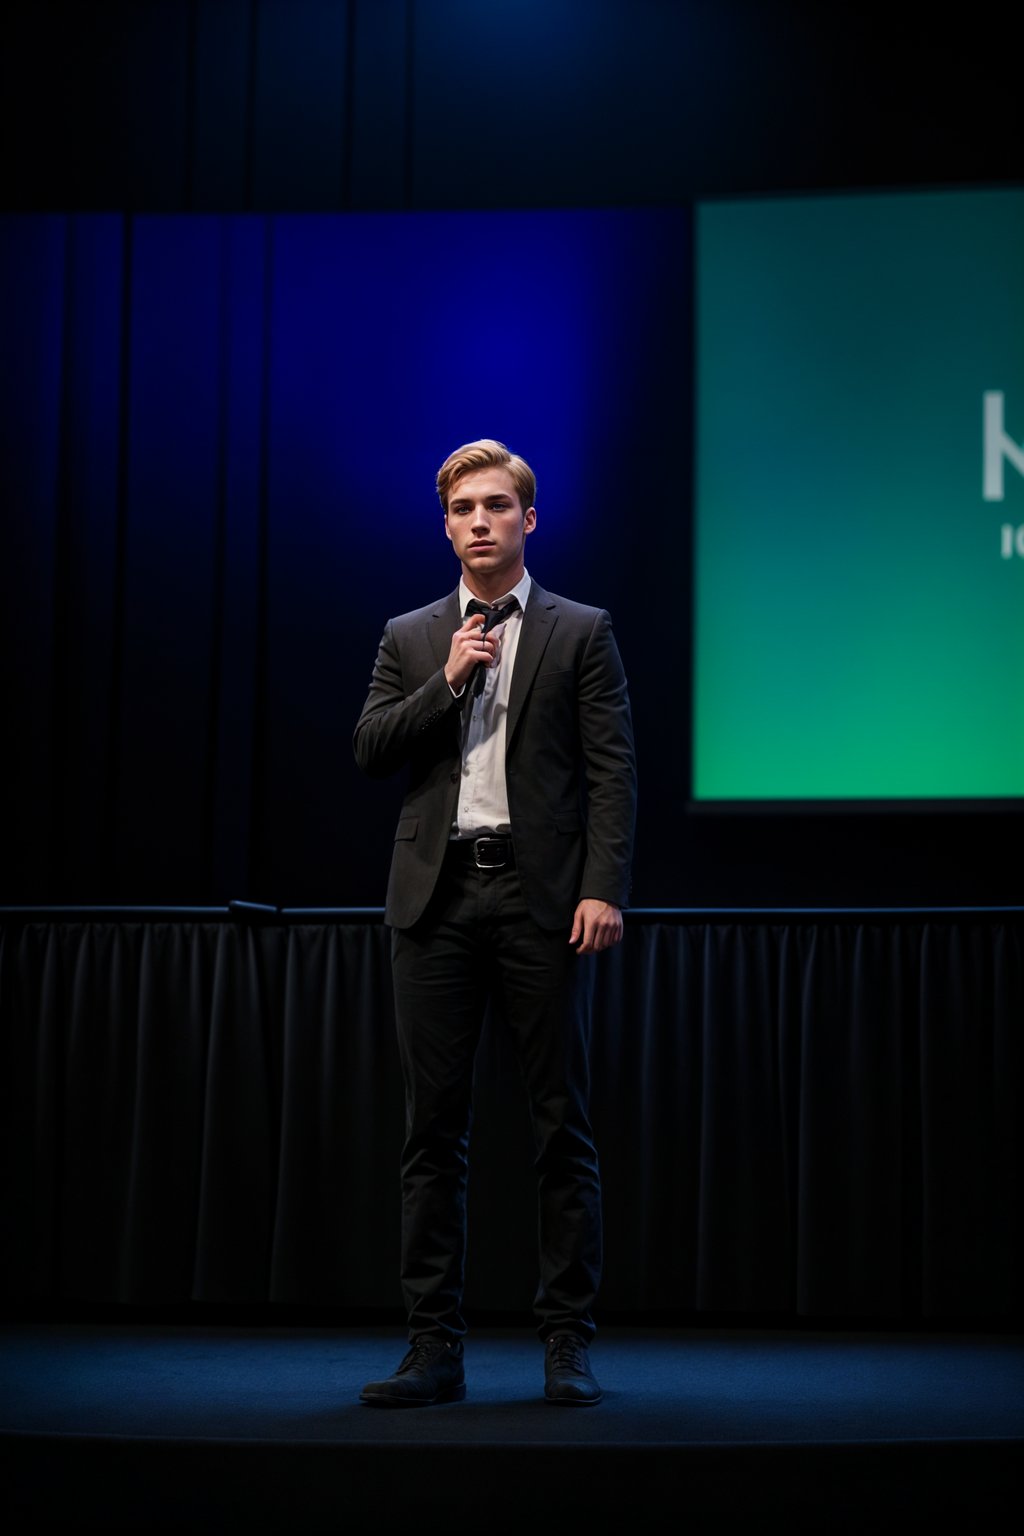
column 483, row 796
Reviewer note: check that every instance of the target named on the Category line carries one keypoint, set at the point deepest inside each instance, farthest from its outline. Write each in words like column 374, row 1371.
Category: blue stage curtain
column 808, row 1116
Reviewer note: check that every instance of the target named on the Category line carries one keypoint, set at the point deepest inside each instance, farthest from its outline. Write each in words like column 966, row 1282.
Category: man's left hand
column 596, row 925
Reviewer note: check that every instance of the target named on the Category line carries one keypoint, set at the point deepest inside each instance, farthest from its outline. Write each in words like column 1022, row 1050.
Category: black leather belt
column 493, row 851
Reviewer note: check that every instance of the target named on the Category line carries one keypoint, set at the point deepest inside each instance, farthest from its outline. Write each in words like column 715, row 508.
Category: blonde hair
column 486, row 453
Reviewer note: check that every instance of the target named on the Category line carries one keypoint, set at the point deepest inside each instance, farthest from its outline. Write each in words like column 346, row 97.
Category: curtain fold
column 814, row 1117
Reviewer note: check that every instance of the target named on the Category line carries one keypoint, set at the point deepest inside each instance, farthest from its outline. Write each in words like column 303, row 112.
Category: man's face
column 487, row 526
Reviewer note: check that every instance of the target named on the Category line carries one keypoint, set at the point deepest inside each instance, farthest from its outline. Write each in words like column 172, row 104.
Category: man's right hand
column 469, row 648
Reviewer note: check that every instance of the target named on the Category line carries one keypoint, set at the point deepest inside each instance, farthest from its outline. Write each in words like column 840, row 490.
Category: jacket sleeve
column 609, row 760
column 393, row 725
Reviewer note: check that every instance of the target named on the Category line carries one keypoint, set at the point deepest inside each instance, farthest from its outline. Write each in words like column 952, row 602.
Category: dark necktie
column 492, row 617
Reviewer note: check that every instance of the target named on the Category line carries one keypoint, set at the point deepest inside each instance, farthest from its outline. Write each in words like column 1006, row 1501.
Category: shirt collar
column 521, row 590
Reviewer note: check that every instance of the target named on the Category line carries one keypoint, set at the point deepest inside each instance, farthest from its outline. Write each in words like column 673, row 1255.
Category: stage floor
column 175, row 1427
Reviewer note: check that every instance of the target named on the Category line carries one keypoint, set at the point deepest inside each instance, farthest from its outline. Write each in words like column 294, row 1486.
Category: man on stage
column 508, row 707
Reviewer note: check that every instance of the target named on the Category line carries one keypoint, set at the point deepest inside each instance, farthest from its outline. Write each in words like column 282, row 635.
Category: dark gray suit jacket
column 569, row 760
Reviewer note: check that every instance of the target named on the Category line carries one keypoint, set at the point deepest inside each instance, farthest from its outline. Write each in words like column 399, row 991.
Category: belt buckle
column 480, row 847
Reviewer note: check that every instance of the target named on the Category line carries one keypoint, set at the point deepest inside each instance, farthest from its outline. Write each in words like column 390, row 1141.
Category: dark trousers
column 476, row 941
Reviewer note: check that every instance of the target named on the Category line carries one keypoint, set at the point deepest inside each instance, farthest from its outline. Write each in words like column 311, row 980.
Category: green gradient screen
column 859, row 540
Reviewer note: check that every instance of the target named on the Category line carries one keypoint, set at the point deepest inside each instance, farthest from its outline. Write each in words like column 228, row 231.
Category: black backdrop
column 815, row 1117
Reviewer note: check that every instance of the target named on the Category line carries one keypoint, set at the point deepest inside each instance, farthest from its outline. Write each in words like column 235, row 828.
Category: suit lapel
column 443, row 623
column 539, row 619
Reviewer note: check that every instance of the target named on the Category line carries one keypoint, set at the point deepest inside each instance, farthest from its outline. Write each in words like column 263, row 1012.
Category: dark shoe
column 568, row 1378
column 430, row 1373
